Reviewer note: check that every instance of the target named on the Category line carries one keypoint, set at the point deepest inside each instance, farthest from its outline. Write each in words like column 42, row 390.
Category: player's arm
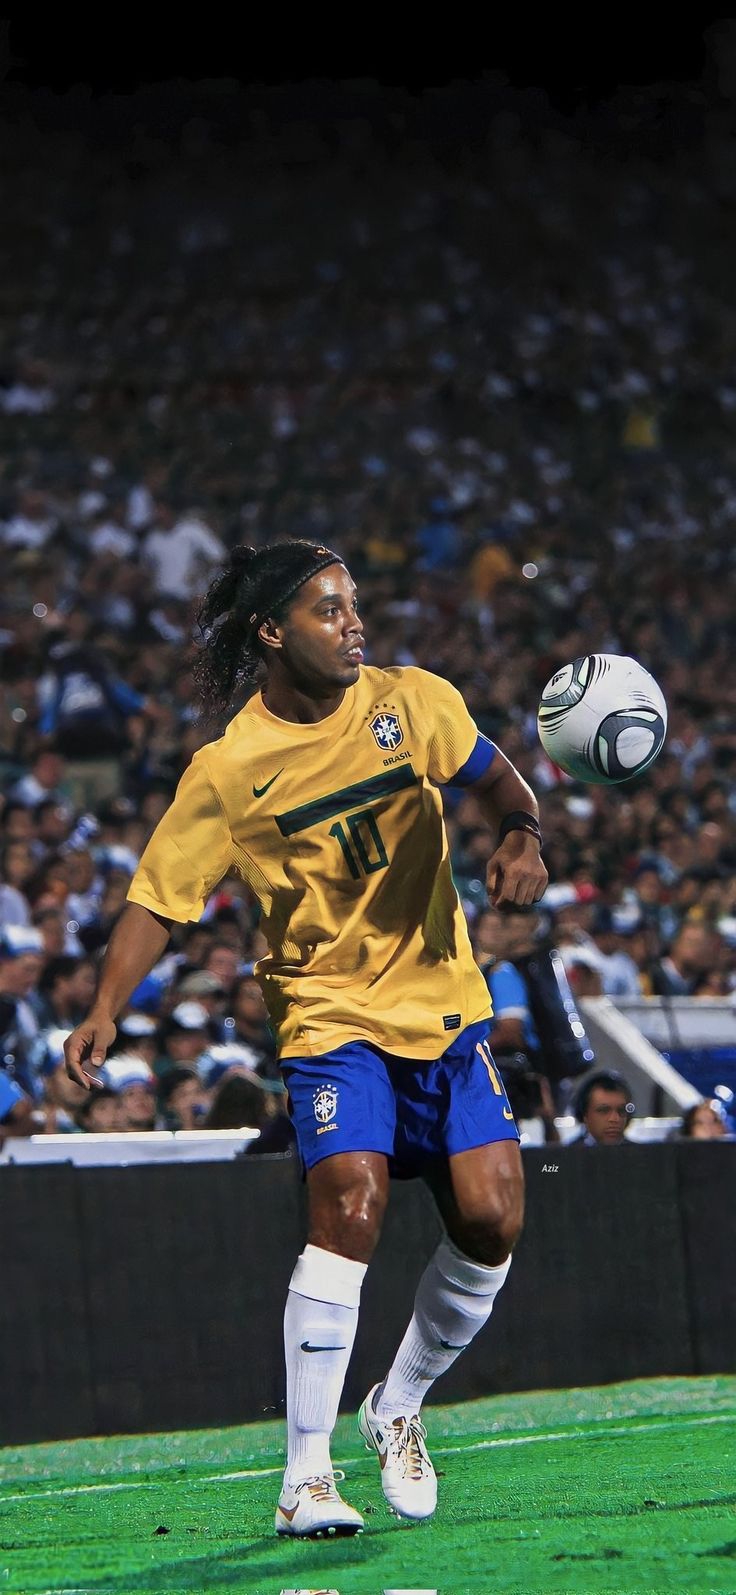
column 137, row 943
column 515, row 873
column 459, row 755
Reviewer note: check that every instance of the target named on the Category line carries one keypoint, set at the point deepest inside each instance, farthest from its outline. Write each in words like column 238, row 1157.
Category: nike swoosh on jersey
column 258, row 791
column 306, row 1347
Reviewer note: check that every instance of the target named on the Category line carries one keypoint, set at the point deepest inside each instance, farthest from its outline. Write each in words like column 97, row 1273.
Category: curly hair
column 256, row 584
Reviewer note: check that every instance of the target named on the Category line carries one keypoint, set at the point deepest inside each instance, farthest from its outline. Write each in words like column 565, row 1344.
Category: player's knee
column 361, row 1206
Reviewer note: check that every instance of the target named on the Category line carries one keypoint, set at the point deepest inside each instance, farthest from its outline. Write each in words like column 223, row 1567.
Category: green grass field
column 622, row 1488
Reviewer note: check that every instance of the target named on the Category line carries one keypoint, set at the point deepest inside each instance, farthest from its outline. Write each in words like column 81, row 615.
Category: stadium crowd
column 502, row 386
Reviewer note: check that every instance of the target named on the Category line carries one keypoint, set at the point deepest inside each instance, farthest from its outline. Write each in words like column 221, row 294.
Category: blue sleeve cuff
column 10, row 1093
column 480, row 760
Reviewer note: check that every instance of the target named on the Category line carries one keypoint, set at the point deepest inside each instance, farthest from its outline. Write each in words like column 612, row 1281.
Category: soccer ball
column 602, row 719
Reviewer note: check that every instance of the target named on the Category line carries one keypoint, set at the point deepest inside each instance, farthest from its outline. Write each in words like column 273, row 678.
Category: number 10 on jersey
column 363, row 849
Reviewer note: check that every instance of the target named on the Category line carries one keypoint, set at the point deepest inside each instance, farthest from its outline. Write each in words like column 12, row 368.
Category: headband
column 324, row 557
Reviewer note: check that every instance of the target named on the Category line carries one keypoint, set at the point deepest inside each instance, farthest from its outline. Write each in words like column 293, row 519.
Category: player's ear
column 269, row 632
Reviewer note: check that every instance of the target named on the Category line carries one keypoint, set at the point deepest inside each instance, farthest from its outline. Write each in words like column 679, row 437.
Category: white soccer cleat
column 313, row 1507
column 408, row 1479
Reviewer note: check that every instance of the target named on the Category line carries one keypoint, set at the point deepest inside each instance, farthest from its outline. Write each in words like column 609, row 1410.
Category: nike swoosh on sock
column 305, row 1346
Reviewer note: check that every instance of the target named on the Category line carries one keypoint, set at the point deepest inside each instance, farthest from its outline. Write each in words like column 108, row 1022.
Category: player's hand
column 516, row 873
column 87, row 1047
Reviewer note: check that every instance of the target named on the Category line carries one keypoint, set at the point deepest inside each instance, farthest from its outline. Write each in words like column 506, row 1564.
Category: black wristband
column 519, row 820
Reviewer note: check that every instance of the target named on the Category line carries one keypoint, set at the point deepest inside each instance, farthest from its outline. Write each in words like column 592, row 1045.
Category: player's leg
column 479, row 1191
column 347, row 1194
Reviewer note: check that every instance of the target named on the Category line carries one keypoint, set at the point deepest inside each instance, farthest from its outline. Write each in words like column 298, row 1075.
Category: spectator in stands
column 181, row 553
column 611, row 932
column 703, row 1122
column 101, row 1112
column 584, row 968
column 604, row 1109
column 43, row 782
column 17, row 865
column 65, row 990
column 247, row 1021
column 137, row 1035
column 21, row 963
column 246, row 1101
column 16, row 1110
column 689, row 958
column 62, row 1097
column 499, row 939
column 184, row 1036
column 183, row 1099
column 223, row 961
column 135, row 1086
column 207, row 989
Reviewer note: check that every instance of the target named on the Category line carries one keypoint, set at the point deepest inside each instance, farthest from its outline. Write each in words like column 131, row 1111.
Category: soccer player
column 324, row 793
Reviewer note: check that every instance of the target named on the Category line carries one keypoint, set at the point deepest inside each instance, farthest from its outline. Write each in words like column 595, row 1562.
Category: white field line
column 601, row 1427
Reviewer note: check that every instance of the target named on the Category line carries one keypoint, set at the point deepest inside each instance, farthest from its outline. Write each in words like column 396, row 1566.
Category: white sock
column 320, row 1321
column 453, row 1301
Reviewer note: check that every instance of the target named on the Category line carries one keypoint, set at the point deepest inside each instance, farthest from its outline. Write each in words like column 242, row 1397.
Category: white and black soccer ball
column 602, row 719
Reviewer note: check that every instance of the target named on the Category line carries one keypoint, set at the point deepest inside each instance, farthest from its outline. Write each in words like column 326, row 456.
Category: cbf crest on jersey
column 325, row 1103
column 387, row 731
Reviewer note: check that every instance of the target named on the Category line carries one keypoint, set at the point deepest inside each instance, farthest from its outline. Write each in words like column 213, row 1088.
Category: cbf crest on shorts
column 325, row 1107
column 387, row 731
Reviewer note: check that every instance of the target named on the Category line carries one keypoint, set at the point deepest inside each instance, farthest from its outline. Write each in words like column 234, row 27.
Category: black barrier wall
column 151, row 1298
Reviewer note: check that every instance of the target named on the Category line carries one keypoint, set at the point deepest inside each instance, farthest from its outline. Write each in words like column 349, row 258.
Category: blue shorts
column 361, row 1099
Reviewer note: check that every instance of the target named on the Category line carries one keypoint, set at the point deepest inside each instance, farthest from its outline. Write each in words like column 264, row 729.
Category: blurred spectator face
column 223, row 962
column 114, row 898
column 81, row 986
column 648, row 887
column 18, row 976
column 53, row 889
column 18, row 824
column 62, row 1092
column 705, row 1124
column 48, row 769
column 53, row 824
column 138, row 1106
column 185, row 1046
column 80, row 870
column 692, row 951
column 188, row 1103
column 249, row 1009
column 18, row 864
column 710, row 842
column 197, row 944
column 52, row 928
column 103, row 1115
column 605, row 1116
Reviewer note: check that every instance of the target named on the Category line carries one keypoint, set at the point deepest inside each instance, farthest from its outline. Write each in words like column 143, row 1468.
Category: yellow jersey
column 337, row 827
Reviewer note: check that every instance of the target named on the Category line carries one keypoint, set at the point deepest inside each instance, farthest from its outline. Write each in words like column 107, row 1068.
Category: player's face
column 322, row 635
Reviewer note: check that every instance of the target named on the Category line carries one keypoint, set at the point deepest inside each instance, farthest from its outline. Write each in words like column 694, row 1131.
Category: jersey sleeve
column 190, row 850
column 455, row 745
column 508, row 993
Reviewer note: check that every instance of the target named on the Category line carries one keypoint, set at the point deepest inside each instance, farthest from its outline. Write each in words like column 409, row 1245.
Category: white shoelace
column 322, row 1486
